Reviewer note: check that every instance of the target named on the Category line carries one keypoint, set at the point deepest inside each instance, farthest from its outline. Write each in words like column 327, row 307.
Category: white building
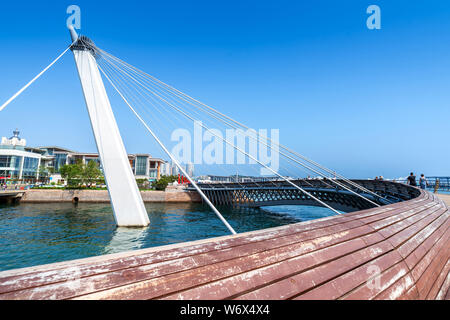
column 166, row 169
column 144, row 166
column 19, row 163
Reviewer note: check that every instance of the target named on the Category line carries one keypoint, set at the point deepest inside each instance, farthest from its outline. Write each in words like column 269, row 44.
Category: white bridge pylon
column 126, row 200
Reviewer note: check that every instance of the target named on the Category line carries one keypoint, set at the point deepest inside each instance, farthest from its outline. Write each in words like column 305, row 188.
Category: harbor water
column 36, row 234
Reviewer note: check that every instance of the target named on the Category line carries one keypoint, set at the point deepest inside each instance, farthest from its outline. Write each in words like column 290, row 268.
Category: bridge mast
column 126, row 200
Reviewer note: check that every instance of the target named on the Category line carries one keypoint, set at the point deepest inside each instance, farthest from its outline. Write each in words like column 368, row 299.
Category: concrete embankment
column 98, row 196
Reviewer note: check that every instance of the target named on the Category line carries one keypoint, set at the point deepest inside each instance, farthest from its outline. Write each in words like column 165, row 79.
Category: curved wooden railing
column 397, row 251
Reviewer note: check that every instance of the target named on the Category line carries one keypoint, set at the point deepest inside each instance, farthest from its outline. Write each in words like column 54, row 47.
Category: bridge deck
column 445, row 198
column 331, row 258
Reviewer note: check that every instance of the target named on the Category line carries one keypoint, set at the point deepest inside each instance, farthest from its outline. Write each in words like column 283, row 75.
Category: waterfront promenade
column 398, row 251
column 445, row 198
column 172, row 194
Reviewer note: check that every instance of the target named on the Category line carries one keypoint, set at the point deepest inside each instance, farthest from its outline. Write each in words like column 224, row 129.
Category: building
column 170, row 169
column 17, row 161
column 21, row 163
column 144, row 166
column 190, row 169
column 166, row 169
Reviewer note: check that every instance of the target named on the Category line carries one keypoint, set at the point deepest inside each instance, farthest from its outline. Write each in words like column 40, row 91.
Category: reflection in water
column 126, row 239
column 34, row 234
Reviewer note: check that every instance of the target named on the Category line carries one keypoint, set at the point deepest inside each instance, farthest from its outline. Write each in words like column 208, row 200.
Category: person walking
column 412, row 180
column 423, row 183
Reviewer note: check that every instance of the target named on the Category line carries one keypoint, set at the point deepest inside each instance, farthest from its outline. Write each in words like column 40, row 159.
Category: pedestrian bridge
column 272, row 193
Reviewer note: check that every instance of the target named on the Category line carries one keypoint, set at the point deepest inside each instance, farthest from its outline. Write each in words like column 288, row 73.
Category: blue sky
column 363, row 102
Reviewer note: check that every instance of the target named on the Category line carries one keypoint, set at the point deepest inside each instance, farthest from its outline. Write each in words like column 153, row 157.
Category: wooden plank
column 299, row 283
column 444, row 291
column 369, row 291
column 439, row 255
column 411, row 294
column 212, row 272
column 415, row 241
column 421, row 250
column 233, row 286
column 437, row 285
column 353, row 279
column 406, row 229
column 396, row 220
column 427, row 258
column 398, row 289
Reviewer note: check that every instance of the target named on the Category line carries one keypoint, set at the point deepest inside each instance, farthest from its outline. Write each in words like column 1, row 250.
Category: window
column 60, row 160
column 141, row 166
column 30, row 167
column 10, row 162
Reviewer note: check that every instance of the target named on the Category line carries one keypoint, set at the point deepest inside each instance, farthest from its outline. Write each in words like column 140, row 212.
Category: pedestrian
column 412, row 180
column 423, row 182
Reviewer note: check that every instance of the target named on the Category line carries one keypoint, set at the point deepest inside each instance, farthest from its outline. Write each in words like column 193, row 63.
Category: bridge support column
column 126, row 200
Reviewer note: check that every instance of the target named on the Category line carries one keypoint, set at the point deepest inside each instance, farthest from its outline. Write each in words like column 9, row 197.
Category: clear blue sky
column 364, row 102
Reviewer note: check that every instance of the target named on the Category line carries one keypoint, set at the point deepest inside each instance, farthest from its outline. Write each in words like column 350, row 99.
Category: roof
column 56, row 148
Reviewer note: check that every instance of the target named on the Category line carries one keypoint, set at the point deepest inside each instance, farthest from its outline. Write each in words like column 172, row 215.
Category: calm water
column 35, row 234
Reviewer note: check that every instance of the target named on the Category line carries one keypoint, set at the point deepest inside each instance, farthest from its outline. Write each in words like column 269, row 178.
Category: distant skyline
column 362, row 102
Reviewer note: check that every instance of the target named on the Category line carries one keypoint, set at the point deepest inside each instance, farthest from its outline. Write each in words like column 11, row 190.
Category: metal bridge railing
column 434, row 183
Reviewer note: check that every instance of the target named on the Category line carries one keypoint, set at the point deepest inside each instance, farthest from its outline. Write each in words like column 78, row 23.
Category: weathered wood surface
column 445, row 198
column 400, row 251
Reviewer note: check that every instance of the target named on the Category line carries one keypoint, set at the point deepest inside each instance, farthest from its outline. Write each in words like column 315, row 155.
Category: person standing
column 423, row 182
column 412, row 180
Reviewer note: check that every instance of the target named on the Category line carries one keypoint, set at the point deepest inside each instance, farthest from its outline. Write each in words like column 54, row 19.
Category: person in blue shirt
column 423, row 182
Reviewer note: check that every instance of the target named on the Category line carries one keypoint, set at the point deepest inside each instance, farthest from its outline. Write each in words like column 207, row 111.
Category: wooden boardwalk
column 400, row 251
column 445, row 198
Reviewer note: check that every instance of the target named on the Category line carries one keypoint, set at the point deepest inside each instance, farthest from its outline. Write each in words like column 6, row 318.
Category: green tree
column 142, row 183
column 72, row 173
column 90, row 172
column 163, row 182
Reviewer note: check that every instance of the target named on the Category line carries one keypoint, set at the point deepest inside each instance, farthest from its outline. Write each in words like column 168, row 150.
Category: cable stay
column 265, row 144
column 171, row 156
column 232, row 145
column 220, row 116
column 290, row 158
column 34, row 79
